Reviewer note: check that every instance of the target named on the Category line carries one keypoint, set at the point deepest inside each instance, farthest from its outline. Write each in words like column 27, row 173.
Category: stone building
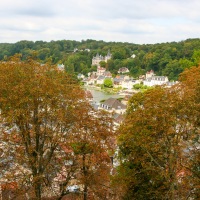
column 98, row 58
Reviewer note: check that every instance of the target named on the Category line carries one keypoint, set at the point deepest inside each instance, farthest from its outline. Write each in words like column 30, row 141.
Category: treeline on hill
column 168, row 59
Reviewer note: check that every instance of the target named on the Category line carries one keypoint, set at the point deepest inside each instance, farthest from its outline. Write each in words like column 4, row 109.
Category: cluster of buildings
column 122, row 79
column 151, row 79
column 114, row 106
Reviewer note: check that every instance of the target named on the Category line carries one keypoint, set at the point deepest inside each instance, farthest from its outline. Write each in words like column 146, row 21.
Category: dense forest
column 168, row 59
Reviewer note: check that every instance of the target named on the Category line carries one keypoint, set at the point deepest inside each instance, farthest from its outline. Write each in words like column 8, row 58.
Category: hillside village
column 115, row 107
column 123, row 81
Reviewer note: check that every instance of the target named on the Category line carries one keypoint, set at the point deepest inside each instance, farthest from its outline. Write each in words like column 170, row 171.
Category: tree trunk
column 85, row 190
column 38, row 192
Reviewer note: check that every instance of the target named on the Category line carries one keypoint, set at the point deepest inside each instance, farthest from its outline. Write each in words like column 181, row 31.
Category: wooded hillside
column 168, row 59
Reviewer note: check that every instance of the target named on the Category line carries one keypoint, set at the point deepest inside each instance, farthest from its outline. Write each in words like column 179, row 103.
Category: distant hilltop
column 165, row 59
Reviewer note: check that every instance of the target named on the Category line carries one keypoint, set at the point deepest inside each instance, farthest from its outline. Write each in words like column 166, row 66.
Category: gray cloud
column 146, row 21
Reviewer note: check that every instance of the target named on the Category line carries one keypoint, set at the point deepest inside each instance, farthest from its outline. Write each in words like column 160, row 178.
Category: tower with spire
column 98, row 58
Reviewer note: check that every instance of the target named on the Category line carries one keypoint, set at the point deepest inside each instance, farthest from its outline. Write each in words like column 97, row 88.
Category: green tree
column 108, row 83
column 196, row 57
column 172, row 70
column 185, row 63
column 43, row 53
column 103, row 64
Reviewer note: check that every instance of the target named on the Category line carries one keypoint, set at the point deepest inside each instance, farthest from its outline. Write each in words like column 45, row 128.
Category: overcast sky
column 135, row 21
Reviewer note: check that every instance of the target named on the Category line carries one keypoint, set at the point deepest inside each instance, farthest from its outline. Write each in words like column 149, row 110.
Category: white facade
column 123, row 70
column 156, row 80
column 100, row 80
column 61, row 67
column 149, row 74
column 100, row 70
column 113, row 105
column 97, row 59
column 128, row 84
column 80, row 76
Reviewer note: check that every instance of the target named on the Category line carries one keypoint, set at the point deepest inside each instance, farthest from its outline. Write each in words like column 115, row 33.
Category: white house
column 100, row 79
column 156, row 80
column 113, row 105
column 152, row 80
column 133, row 56
column 128, row 84
column 149, row 74
column 61, row 67
column 123, row 70
column 107, row 74
column 100, row 70
column 91, row 79
column 80, row 76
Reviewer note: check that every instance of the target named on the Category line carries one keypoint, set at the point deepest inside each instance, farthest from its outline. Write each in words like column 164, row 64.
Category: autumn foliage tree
column 190, row 81
column 94, row 135
column 92, row 147
column 42, row 111
column 159, row 142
